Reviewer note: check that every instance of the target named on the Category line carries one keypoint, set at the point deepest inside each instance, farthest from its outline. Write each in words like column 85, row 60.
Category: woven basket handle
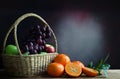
column 14, row 26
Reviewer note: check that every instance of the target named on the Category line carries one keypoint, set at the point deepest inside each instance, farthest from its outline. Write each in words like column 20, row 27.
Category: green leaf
column 106, row 58
column 99, row 65
column 90, row 65
column 105, row 66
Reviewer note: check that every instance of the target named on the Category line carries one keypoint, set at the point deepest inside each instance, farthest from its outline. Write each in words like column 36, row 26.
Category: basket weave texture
column 30, row 65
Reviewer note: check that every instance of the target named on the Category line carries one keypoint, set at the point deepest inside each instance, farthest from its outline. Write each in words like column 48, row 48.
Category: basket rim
column 32, row 55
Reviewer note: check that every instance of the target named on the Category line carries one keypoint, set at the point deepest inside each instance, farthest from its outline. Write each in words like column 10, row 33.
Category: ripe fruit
column 62, row 59
column 55, row 69
column 43, row 53
column 26, row 53
column 73, row 70
column 90, row 72
column 79, row 63
column 49, row 48
column 35, row 42
column 11, row 49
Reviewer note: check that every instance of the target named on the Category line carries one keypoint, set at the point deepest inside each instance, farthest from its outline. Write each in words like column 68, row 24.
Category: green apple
column 26, row 53
column 43, row 53
column 11, row 49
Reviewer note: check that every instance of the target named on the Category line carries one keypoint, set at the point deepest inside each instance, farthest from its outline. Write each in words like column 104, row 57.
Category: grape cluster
column 36, row 40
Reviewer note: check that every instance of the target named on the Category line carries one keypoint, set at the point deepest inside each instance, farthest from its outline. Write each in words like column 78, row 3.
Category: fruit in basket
column 36, row 40
column 73, row 69
column 43, row 53
column 49, row 48
column 62, row 59
column 11, row 49
column 26, row 53
column 79, row 63
column 90, row 72
column 55, row 69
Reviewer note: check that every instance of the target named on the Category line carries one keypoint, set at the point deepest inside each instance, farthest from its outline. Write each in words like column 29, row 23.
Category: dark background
column 86, row 30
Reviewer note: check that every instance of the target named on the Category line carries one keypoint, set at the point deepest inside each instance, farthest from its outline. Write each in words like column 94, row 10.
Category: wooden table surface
column 112, row 74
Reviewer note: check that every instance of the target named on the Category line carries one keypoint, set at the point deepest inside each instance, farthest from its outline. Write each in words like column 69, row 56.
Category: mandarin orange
column 62, row 59
column 73, row 70
column 55, row 69
column 90, row 72
column 79, row 63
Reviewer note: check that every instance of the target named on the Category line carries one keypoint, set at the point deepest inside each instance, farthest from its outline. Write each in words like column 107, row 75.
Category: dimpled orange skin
column 79, row 63
column 55, row 69
column 62, row 59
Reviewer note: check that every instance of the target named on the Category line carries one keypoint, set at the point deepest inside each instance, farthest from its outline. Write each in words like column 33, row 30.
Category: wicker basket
column 31, row 65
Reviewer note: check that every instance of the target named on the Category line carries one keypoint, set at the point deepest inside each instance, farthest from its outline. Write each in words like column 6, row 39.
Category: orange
column 55, row 69
column 90, row 72
column 62, row 59
column 79, row 63
column 73, row 70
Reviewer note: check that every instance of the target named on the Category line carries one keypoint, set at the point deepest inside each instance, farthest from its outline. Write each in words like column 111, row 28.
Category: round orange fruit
column 73, row 70
column 55, row 69
column 62, row 59
column 79, row 63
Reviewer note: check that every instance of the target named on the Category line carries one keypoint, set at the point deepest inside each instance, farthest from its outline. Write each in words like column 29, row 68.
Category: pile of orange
column 62, row 64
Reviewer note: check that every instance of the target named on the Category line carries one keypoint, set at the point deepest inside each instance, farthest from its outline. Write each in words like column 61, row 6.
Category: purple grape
column 44, row 42
column 43, row 48
column 31, row 48
column 39, row 41
column 43, row 35
column 48, row 35
column 40, row 37
column 27, row 48
column 39, row 33
column 31, row 44
column 35, row 51
column 38, row 27
column 43, row 29
column 40, row 48
column 36, row 47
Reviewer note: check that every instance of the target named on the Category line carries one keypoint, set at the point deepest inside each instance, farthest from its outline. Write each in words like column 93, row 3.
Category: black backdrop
column 60, row 15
